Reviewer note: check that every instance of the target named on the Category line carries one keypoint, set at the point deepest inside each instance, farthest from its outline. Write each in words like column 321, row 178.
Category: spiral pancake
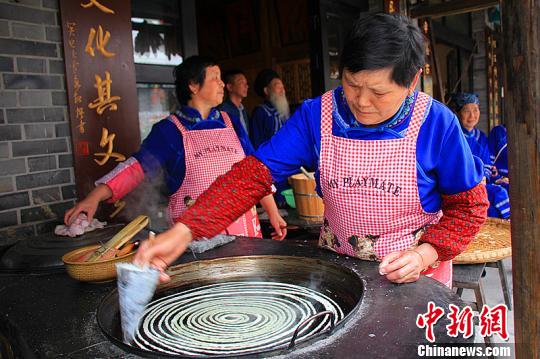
column 232, row 318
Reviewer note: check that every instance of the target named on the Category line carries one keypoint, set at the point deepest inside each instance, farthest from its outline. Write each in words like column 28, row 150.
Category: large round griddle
column 339, row 283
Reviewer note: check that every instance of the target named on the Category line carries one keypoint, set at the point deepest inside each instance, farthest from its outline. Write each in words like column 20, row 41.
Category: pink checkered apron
column 372, row 205
column 209, row 154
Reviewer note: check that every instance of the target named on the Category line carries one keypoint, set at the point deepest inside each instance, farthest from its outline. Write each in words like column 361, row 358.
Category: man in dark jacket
column 237, row 90
column 268, row 117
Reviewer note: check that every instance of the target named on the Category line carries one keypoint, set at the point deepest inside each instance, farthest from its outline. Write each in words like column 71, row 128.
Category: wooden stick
column 119, row 239
column 306, row 173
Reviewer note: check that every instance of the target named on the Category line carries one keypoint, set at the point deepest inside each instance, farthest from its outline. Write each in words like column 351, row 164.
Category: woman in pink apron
column 398, row 180
column 192, row 146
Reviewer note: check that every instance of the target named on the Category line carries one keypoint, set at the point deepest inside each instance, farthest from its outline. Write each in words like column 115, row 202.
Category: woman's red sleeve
column 230, row 196
column 463, row 215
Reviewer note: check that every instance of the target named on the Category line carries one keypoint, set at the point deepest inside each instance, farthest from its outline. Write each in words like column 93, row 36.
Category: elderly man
column 237, row 90
column 268, row 117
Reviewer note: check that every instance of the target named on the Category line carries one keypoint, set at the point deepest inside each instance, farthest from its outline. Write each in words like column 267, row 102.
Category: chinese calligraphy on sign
column 77, row 98
column 104, row 101
column 491, row 321
column 98, row 5
column 119, row 205
column 100, row 42
column 107, row 140
column 101, row 88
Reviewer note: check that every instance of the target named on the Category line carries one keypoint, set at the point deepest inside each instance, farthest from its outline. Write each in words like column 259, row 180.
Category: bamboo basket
column 491, row 244
column 309, row 205
column 98, row 271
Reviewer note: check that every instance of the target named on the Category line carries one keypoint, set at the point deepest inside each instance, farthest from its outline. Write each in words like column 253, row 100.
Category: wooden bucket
column 309, row 205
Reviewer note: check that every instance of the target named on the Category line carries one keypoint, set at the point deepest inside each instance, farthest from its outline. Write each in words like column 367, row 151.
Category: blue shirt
column 499, row 203
column 445, row 164
column 163, row 149
column 238, row 112
column 478, row 143
column 264, row 123
column 498, row 146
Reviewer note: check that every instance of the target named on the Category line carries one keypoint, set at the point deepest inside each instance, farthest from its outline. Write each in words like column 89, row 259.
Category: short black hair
column 191, row 71
column 228, row 76
column 385, row 41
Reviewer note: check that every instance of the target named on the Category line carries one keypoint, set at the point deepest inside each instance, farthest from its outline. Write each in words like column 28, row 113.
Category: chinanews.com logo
column 471, row 351
column 491, row 320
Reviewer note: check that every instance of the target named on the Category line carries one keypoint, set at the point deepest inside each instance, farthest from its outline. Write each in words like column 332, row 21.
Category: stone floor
column 494, row 295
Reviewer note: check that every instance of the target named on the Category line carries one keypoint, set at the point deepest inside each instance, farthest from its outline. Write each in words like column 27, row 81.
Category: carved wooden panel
column 297, row 80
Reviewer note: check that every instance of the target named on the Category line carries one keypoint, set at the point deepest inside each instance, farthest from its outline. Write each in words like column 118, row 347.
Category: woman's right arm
column 89, row 204
column 127, row 175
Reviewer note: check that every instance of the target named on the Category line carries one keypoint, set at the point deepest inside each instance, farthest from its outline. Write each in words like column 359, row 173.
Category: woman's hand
column 279, row 224
column 280, row 227
column 161, row 251
column 402, row 266
column 88, row 205
column 502, row 180
column 406, row 266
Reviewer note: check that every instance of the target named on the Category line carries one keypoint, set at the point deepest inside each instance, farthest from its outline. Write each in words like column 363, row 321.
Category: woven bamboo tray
column 98, row 271
column 491, row 244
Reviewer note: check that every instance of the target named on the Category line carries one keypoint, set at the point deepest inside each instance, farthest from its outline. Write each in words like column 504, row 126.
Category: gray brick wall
column 36, row 173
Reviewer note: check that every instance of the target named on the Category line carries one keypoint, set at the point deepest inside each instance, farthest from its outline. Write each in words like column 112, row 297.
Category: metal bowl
column 339, row 283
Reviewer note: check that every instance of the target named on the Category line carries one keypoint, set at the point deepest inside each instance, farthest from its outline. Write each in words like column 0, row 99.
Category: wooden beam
column 451, row 37
column 436, row 63
column 189, row 28
column 451, row 8
column 521, row 36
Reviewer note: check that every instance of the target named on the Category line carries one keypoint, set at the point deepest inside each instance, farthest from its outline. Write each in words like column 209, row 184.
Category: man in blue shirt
column 268, row 117
column 237, row 90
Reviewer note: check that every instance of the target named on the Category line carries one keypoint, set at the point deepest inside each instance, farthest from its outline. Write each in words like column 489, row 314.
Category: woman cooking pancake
column 193, row 146
column 398, row 180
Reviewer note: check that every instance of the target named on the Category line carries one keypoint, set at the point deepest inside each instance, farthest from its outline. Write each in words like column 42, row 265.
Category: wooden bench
column 507, row 290
column 468, row 276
